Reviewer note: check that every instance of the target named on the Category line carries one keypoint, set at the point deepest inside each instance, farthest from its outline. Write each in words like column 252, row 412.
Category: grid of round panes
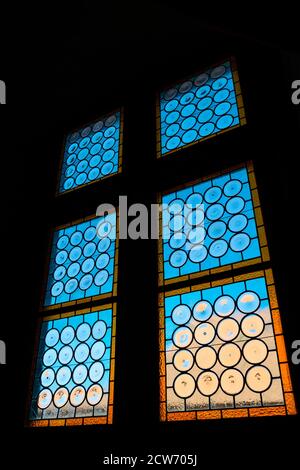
column 91, row 153
column 82, row 261
column 221, row 350
column 198, row 108
column 72, row 372
column 208, row 225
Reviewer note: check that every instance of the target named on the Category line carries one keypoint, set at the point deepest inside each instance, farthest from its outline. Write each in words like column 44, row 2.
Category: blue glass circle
column 101, row 278
column 63, row 375
column 81, row 179
column 176, row 222
column 235, row 205
column 215, row 211
column 107, row 168
column 219, row 83
column 65, row 355
column 67, row 335
column 94, row 161
column 188, row 110
column 204, row 104
column 109, row 143
column 95, row 149
column 173, row 143
column 89, row 249
column 196, row 235
column 75, row 253
column 110, row 131
column 93, row 174
column 62, row 242
column 76, row 238
column 237, row 223
column 172, row 130
column 98, row 350
column 172, row 117
column 83, row 154
column 83, row 332
column 102, row 261
column 206, row 129
column 222, row 108
column 82, row 166
column 205, row 116
column 224, row 121
column 59, row 273
column 70, row 171
column 73, row 148
column 88, row 265
column 73, row 269
column 221, row 95
column 104, row 244
column 69, row 183
column 71, row 286
column 47, row 377
column 80, row 374
column 178, row 258
column 194, row 200
column 198, row 253
column 61, row 257
column 218, row 248
column 213, row 194
column 84, row 142
column 232, row 188
column 96, row 372
column 239, row 242
column 99, row 329
column 217, row 229
column 97, row 137
column 89, row 234
column 177, row 240
column 188, row 123
column 189, row 136
column 71, row 159
column 171, row 105
column 108, row 155
column 82, row 352
column 50, row 357
column 52, row 337
column 187, row 98
column 203, row 91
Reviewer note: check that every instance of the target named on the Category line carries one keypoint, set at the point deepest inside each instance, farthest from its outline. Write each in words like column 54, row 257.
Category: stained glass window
column 199, row 107
column 83, row 261
column 222, row 351
column 211, row 224
column 92, row 153
column 73, row 379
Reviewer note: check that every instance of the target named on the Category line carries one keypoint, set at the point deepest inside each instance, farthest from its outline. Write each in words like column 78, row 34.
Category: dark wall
column 71, row 67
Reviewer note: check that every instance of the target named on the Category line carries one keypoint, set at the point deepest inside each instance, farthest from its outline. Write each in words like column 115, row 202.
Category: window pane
column 200, row 107
column 82, row 262
column 92, row 153
column 222, row 351
column 214, row 223
column 74, row 370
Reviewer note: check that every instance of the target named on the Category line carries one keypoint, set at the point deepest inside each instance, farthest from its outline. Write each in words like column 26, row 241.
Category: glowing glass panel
column 200, row 107
column 92, row 153
column 73, row 372
column 82, row 261
column 222, row 350
column 209, row 225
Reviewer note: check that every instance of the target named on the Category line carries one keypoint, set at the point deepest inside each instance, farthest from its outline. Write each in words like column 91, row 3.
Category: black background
column 65, row 67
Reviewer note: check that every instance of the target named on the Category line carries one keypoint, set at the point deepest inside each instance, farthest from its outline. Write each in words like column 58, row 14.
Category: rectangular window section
column 83, row 261
column 212, row 224
column 92, row 153
column 222, row 351
column 73, row 378
column 199, row 107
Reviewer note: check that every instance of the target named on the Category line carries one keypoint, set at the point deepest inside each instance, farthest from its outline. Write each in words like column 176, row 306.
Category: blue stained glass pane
column 213, row 225
column 82, row 261
column 91, row 153
column 72, row 370
column 198, row 108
